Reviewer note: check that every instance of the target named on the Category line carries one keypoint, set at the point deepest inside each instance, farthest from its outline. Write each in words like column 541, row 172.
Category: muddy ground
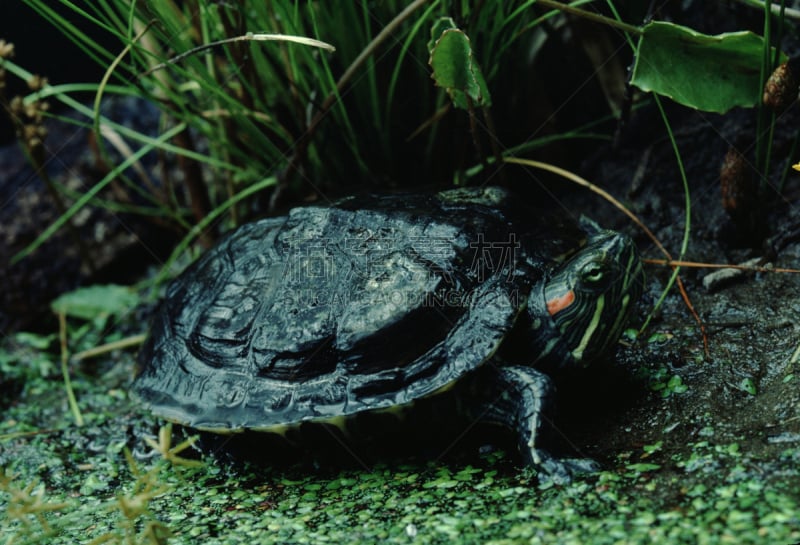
column 742, row 388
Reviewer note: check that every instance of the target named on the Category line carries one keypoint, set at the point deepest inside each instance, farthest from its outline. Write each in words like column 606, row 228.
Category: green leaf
column 454, row 66
column 659, row 337
column 34, row 340
column 439, row 26
column 676, row 385
column 655, row 447
column 94, row 301
column 709, row 73
column 642, row 467
column 747, row 385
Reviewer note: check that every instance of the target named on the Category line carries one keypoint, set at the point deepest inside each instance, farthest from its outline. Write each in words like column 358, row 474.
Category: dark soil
column 743, row 389
column 114, row 246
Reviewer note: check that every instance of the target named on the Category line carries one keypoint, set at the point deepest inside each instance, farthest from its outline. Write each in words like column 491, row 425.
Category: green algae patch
column 124, row 478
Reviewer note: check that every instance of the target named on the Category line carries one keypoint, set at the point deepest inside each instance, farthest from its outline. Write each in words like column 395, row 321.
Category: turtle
column 375, row 303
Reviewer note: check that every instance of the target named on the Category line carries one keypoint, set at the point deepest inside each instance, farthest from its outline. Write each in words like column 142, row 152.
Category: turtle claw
column 579, row 466
column 561, row 471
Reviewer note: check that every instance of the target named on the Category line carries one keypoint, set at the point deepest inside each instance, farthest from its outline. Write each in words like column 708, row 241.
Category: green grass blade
column 198, row 229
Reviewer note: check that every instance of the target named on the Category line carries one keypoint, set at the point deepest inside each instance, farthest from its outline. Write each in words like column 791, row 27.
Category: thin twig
column 127, row 342
column 591, row 16
column 699, row 265
column 18, row 434
column 596, row 189
column 245, row 38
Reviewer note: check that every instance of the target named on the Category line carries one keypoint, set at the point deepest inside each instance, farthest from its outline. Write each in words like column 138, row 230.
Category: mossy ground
column 83, row 487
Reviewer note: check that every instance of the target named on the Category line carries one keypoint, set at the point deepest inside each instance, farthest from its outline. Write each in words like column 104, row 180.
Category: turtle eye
column 592, row 273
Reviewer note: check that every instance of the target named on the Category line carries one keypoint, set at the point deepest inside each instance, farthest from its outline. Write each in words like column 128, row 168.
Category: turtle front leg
column 520, row 398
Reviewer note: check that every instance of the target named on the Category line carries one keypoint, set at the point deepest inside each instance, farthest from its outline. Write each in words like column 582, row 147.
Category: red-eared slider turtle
column 372, row 303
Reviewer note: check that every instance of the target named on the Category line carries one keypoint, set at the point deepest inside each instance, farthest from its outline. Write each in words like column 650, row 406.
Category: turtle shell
column 366, row 304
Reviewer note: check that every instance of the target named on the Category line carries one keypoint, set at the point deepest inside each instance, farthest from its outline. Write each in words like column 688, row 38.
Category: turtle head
column 588, row 298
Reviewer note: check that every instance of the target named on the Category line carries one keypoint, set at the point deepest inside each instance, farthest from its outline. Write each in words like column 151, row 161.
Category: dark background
column 41, row 49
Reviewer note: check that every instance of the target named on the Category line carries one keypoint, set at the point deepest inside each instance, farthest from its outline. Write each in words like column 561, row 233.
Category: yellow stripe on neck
column 590, row 329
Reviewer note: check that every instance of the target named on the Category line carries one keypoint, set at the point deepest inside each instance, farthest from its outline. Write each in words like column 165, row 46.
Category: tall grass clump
column 256, row 123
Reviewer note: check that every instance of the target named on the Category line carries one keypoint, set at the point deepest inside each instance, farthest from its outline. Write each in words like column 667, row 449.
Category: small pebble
column 785, row 437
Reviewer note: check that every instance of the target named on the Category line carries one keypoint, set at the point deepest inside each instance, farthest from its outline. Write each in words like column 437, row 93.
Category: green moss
column 701, row 492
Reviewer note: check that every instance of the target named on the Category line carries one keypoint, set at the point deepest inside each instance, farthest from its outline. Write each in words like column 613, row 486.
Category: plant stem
column 73, row 402
column 127, row 342
column 596, row 17
column 686, row 232
column 776, row 10
column 761, row 160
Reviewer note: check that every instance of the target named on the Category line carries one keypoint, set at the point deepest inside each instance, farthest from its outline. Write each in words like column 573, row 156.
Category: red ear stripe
column 557, row 304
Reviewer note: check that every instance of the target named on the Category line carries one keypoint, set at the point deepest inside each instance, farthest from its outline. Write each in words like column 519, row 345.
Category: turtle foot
column 561, row 471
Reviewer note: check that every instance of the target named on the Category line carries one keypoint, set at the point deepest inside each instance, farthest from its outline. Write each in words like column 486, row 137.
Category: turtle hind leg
column 521, row 398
